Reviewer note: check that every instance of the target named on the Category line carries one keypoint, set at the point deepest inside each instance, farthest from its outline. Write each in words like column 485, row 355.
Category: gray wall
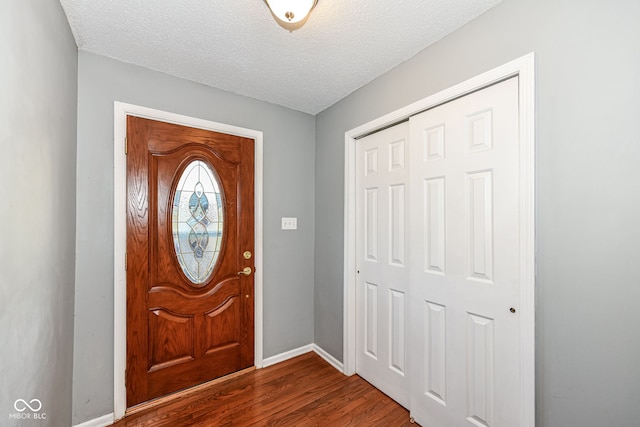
column 38, row 88
column 588, row 197
column 288, row 191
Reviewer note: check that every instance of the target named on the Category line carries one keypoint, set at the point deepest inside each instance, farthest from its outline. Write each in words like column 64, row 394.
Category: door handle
column 246, row 271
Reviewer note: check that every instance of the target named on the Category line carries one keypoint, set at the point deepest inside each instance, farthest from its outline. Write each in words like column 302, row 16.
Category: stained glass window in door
column 197, row 221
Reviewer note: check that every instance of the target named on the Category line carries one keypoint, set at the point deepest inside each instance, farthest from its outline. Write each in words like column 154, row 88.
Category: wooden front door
column 190, row 244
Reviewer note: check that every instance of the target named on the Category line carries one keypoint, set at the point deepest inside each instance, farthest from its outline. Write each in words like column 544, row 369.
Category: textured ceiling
column 237, row 46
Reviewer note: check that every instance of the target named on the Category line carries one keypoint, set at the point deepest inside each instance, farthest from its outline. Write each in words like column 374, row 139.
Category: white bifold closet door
column 438, row 254
column 464, row 261
column 382, row 270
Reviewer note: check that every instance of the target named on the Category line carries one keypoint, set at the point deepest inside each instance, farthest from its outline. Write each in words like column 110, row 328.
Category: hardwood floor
column 304, row 391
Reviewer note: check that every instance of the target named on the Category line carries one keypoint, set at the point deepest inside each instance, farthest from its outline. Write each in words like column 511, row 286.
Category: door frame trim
column 524, row 68
column 121, row 111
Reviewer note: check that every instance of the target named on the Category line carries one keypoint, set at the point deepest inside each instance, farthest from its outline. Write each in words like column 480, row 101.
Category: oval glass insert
column 197, row 221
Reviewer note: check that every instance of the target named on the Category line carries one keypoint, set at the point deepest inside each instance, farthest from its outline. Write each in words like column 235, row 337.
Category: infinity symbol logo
column 21, row 405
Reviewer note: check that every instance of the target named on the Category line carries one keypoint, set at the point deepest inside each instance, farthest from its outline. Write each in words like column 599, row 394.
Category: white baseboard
column 102, row 421
column 287, row 355
column 303, row 350
column 329, row 358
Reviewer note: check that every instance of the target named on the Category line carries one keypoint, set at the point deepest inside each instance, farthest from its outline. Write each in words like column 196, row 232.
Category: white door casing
column 476, row 324
column 464, row 261
column 382, row 269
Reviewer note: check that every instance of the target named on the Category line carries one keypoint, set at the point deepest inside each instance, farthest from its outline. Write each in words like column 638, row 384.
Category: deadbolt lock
column 247, row 254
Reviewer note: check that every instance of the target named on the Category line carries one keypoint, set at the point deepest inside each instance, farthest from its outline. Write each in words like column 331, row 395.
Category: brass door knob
column 246, row 271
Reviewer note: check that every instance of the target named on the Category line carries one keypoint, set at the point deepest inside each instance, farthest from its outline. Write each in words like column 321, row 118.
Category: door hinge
column 126, row 149
column 125, row 260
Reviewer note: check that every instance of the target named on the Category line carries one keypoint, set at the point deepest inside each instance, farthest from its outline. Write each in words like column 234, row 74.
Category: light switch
column 289, row 223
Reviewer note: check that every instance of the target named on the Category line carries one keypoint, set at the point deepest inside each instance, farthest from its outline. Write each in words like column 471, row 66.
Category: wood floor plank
column 304, row 391
column 290, row 393
column 288, row 401
column 324, row 403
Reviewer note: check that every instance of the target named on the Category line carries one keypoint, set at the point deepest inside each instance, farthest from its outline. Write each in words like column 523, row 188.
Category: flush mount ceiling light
column 291, row 13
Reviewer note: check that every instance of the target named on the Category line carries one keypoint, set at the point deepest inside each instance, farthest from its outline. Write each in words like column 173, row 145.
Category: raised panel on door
column 480, row 370
column 382, row 283
column 464, row 261
column 397, row 331
column 170, row 339
column 369, row 319
column 435, row 356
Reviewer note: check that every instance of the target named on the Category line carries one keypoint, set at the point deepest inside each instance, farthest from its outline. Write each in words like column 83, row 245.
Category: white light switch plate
column 289, row 223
